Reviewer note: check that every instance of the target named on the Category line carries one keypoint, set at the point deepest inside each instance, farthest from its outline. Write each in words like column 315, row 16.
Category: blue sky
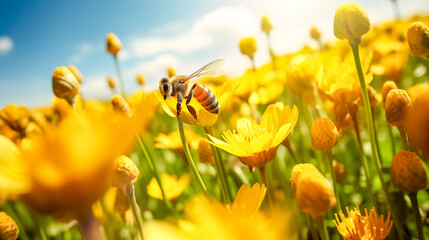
column 37, row 36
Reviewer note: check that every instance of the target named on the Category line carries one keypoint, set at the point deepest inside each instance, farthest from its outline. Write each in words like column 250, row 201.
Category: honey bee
column 182, row 86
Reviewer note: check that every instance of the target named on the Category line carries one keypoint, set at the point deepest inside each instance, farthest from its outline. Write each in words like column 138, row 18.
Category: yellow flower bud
column 387, row 86
column 351, row 21
column 141, row 79
column 205, row 152
column 171, row 72
column 314, row 196
column 407, row 172
column 8, row 228
column 111, row 82
column 396, row 106
column 418, row 39
column 248, row 46
column 266, row 25
column 76, row 73
column 114, row 45
column 125, row 172
column 120, row 105
column 298, row 170
column 315, row 33
column 64, row 84
column 324, row 134
column 340, row 171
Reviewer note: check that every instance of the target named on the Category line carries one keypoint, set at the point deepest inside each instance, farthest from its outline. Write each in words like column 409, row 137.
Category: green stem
column 189, row 157
column 120, row 77
column 363, row 160
column 129, row 190
column 334, row 179
column 263, row 175
column 155, row 172
column 416, row 211
column 312, row 227
column 253, row 64
column 220, row 167
column 322, row 228
column 354, row 43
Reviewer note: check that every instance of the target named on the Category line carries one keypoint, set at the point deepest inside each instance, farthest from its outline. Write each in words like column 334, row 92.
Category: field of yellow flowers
column 326, row 143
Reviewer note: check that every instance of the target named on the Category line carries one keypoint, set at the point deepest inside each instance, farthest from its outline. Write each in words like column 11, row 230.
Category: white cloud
column 214, row 26
column 124, row 55
column 95, row 86
column 6, row 44
column 83, row 50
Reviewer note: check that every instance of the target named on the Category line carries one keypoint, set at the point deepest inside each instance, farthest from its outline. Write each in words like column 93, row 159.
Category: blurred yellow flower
column 172, row 186
column 408, row 172
column 113, row 44
column 141, row 79
column 266, row 25
column 368, row 227
column 125, row 172
column 173, row 141
column 111, row 82
column 340, row 80
column 209, row 219
column 303, row 72
column 256, row 144
column 68, row 168
column 315, row 33
column 205, row 154
column 76, row 73
column 171, row 71
column 248, row 46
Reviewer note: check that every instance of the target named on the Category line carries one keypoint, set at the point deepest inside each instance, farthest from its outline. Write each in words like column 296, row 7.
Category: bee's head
column 165, row 88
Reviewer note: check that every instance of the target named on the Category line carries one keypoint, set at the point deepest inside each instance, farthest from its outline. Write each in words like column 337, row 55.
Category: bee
column 182, row 86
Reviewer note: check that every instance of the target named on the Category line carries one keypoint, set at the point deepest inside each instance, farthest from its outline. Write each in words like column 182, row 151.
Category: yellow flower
column 315, row 33
column 417, row 90
column 302, row 74
column 68, row 168
column 248, row 199
column 65, row 84
column 266, row 25
column 368, row 227
column 16, row 118
column 173, row 141
column 407, row 172
column 111, row 82
column 8, row 228
column 172, row 186
column 113, row 44
column 256, row 144
column 350, row 21
column 340, row 80
column 120, row 105
column 298, row 170
column 141, row 79
column 248, row 46
column 418, row 39
column 205, row 118
column 209, row 219
column 324, row 134
column 417, row 123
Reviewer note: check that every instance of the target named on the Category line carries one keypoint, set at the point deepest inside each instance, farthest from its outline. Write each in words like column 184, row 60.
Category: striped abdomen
column 206, row 98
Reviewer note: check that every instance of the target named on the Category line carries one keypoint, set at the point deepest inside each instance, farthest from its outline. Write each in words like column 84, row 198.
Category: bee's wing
column 209, row 70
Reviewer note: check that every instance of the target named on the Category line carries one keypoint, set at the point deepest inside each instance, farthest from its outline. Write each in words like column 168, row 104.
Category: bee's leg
column 179, row 103
column 190, row 108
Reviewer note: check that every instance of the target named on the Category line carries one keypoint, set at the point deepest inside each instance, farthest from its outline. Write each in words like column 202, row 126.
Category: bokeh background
column 37, row 36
